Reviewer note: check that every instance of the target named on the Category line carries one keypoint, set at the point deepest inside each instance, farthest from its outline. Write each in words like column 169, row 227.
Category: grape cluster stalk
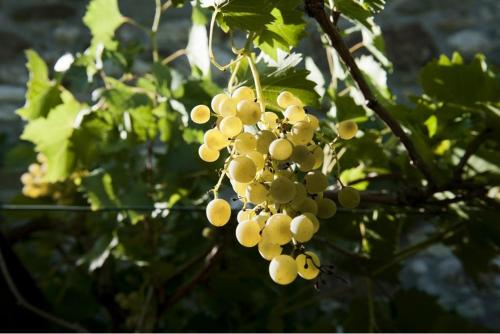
column 274, row 167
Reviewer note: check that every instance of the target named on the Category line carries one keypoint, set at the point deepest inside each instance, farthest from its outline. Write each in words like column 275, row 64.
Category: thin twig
column 174, row 56
column 343, row 251
column 470, row 151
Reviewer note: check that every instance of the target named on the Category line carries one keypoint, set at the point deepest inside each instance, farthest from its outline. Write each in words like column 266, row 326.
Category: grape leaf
column 103, row 17
column 52, row 135
column 355, row 11
column 374, row 6
column 42, row 94
column 245, row 15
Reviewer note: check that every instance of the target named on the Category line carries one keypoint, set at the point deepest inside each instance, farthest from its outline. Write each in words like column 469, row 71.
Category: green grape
column 326, row 208
column 302, row 132
column 269, row 250
column 245, row 142
column 217, row 100
column 349, row 197
column 308, row 265
column 319, row 156
column 300, row 194
column 231, row 126
column 283, row 269
column 300, row 153
column 248, row 233
column 249, row 112
column 218, row 212
column 264, row 139
column 207, row 154
column 295, row 114
column 243, row 93
column 242, row 169
column 257, row 158
column 282, row 190
column 261, row 219
column 239, row 188
column 244, row 215
column 281, row 149
column 227, row 108
column 277, row 229
column 256, row 193
column 302, row 228
column 316, row 182
column 286, row 99
column 347, row 129
column 308, row 163
column 308, row 205
column 286, row 173
column 200, row 114
column 314, row 220
column 268, row 121
column 215, row 140
column 313, row 121
column 266, row 175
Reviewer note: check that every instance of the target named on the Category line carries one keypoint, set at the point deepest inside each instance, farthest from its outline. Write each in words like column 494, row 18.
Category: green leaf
column 346, row 108
column 99, row 189
column 143, row 123
column 52, row 137
column 355, row 11
column 99, row 253
column 42, row 94
column 103, row 17
column 245, row 15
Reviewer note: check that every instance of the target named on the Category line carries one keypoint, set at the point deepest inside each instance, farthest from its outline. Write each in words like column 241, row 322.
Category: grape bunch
column 33, row 182
column 274, row 166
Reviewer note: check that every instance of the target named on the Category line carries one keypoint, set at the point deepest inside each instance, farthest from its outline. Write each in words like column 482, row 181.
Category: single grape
column 348, row 197
column 295, row 114
column 200, row 114
column 283, row 269
column 319, row 156
column 281, row 149
column 277, row 229
column 300, row 153
column 41, row 158
column 239, row 188
column 302, row 228
column 26, row 178
column 248, row 233
column 308, row 265
column 286, row 99
column 242, row 169
column 269, row 250
column 35, row 169
column 244, row 215
column 207, row 154
column 215, row 140
column 308, row 205
column 314, row 220
column 227, row 108
column 261, row 219
column 266, row 175
column 264, row 139
column 268, row 121
column 256, row 193
column 303, row 132
column 231, row 126
column 207, row 233
column 326, row 208
column 347, row 129
column 308, row 164
column 300, row 194
column 218, row 212
column 243, row 93
column 245, row 142
column 217, row 100
column 313, row 121
column 316, row 182
column 257, row 158
column 282, row 190
column 249, row 112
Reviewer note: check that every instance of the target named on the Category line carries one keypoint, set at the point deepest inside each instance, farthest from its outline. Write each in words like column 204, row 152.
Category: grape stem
column 215, row 190
column 210, row 47
column 256, row 80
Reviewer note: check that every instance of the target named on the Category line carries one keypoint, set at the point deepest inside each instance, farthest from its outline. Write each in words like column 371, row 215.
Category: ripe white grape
column 282, row 190
column 313, row 121
column 326, row 208
column 302, row 132
column 244, row 215
column 245, row 142
column 256, row 193
column 264, row 139
column 248, row 233
column 268, row 121
column 26, row 178
column 308, row 205
column 227, row 107
column 300, row 153
column 308, row 163
column 215, row 140
column 281, row 149
column 239, row 188
column 218, row 212
column 248, row 111
column 217, row 100
column 347, row 129
column 300, row 194
column 200, row 114
column 243, row 93
column 295, row 114
column 308, row 265
column 269, row 250
column 277, row 229
column 207, row 154
column 302, row 228
column 261, row 219
column 231, row 126
column 242, row 169
column 314, row 220
column 316, row 182
column 266, row 175
column 283, row 269
column 348, row 197
column 257, row 158
column 286, row 99
column 319, row 156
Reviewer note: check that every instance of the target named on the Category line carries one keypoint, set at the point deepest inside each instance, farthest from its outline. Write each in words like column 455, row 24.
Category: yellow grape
column 261, row 219
column 308, row 205
column 302, row 228
column 245, row 142
column 248, row 233
column 239, row 188
column 256, row 193
column 277, row 229
column 214, row 139
column 281, row 149
column 347, row 129
column 308, row 163
column 248, row 111
column 264, row 139
column 314, row 220
column 269, row 250
column 326, row 208
column 244, row 215
column 295, row 114
column 308, row 265
column 227, row 108
column 243, row 93
column 300, row 194
column 268, row 121
column 200, row 114
column 217, row 100
column 26, row 178
column 349, row 197
column 266, row 175
column 302, row 132
column 282, row 190
column 231, row 126
column 283, row 269
column 35, row 169
column 286, row 99
column 316, row 182
column 257, row 158
column 218, row 212
column 319, row 156
column 242, row 169
column 42, row 159
column 300, row 153
column 207, row 154
column 313, row 121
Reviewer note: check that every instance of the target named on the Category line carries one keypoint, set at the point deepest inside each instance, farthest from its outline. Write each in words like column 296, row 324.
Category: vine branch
column 471, row 149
